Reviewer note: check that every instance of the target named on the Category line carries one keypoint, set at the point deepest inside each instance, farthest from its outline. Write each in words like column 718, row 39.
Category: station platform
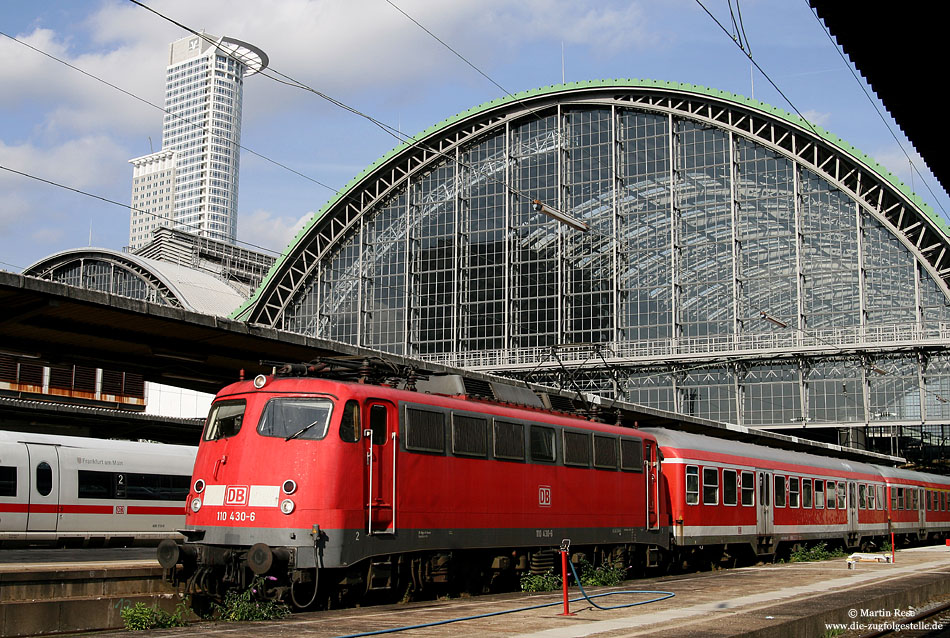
column 796, row 600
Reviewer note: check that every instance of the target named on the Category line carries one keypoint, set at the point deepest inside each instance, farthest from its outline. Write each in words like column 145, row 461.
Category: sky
column 61, row 125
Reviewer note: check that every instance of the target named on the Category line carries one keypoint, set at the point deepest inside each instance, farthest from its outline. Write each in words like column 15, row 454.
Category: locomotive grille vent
column 469, row 435
column 509, row 440
column 559, row 403
column 477, row 388
column 425, row 430
column 605, row 452
column 631, row 454
column 576, row 448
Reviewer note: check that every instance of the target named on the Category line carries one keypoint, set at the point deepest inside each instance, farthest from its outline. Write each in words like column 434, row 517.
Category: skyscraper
column 192, row 183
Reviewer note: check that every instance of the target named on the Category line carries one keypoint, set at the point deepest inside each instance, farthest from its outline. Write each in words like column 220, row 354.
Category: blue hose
column 664, row 596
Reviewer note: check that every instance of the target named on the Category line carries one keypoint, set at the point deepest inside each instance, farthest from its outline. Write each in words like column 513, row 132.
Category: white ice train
column 63, row 490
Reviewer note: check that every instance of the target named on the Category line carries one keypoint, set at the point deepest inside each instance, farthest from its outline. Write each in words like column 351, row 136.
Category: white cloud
column 83, row 162
column 267, row 230
column 817, row 118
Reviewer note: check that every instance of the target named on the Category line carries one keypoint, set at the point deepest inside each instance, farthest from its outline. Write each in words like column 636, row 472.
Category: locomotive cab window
column 225, row 419
column 7, row 480
column 819, row 494
column 296, row 418
column 710, row 486
column 350, row 423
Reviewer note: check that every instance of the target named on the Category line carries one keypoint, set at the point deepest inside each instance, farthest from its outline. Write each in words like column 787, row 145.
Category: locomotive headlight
column 286, row 506
column 289, row 486
column 259, row 381
column 199, row 486
column 195, row 504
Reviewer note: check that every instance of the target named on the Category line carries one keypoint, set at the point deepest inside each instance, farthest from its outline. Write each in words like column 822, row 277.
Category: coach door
column 764, row 523
column 382, row 444
column 43, row 512
column 652, row 485
column 852, row 506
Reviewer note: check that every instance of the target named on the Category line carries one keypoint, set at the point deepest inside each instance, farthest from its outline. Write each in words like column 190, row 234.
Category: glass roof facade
column 723, row 275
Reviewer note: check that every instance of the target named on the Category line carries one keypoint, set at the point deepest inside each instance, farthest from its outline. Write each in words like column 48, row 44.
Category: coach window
column 44, row 479
column 819, row 494
column 930, row 500
column 350, row 423
column 780, row 491
column 748, row 488
column 832, row 495
column 730, row 488
column 870, row 497
column 862, row 496
column 692, row 485
column 225, row 419
column 843, row 496
column 806, row 492
column 880, row 497
column 7, row 480
column 793, row 490
column 898, row 503
column 542, row 443
column 710, row 486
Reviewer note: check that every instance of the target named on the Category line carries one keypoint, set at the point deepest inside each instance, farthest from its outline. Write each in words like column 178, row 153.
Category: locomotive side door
column 382, row 444
column 43, row 466
column 763, row 506
column 652, row 485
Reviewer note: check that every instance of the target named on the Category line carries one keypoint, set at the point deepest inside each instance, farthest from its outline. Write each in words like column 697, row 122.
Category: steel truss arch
column 858, row 176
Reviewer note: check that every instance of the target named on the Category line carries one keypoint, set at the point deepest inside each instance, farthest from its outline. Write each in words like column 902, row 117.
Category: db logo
column 119, row 509
column 236, row 495
column 544, row 496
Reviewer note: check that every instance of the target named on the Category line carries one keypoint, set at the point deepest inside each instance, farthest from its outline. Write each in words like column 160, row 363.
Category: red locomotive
column 363, row 487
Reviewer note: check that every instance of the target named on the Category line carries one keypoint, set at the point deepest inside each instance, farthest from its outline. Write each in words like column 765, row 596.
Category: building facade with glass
column 204, row 89
column 738, row 263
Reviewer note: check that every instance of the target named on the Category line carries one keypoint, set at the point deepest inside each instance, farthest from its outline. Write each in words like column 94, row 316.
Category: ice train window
column 296, row 418
column 44, row 479
column 225, row 419
column 7, row 480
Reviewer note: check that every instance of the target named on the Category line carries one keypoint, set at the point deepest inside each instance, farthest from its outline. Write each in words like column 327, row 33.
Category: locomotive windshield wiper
column 302, row 430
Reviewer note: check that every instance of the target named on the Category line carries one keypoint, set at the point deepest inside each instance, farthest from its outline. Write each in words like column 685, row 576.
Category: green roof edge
column 619, row 83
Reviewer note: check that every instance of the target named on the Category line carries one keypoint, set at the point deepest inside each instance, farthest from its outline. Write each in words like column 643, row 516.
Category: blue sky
column 65, row 127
